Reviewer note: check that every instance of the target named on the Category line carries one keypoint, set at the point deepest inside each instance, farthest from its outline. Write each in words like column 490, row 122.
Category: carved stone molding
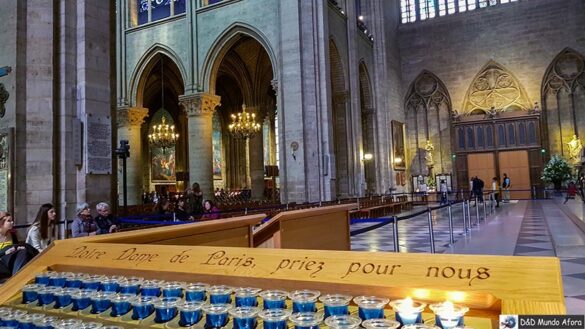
column 131, row 116
column 495, row 87
column 566, row 72
column 274, row 84
column 199, row 103
column 340, row 97
column 427, row 92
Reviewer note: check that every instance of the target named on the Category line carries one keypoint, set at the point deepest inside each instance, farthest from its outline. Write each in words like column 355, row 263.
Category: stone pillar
column 199, row 108
column 256, row 152
column 130, row 121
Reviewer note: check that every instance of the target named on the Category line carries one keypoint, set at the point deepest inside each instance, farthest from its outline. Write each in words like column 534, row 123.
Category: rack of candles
column 136, row 302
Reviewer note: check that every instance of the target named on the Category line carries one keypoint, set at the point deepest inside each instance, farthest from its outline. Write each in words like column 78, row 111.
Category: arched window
column 501, row 135
column 489, row 134
column 414, row 10
column 461, row 138
column 522, row 133
column 470, row 138
column 511, row 135
column 531, row 133
column 480, row 139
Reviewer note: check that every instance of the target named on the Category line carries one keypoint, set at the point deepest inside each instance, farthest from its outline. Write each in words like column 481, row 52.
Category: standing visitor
column 571, row 191
column 495, row 195
column 194, row 202
column 41, row 232
column 443, row 191
column 582, row 186
column 83, row 224
column 506, row 184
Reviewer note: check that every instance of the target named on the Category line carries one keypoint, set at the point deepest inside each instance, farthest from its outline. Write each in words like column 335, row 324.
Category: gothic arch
column 224, row 43
column 428, row 108
column 495, row 86
column 563, row 99
column 144, row 67
column 368, row 117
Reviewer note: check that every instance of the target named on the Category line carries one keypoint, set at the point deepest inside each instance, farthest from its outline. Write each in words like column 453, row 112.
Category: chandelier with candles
column 243, row 124
column 163, row 135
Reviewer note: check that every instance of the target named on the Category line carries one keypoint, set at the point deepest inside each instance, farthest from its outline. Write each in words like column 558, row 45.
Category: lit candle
column 449, row 315
column 408, row 311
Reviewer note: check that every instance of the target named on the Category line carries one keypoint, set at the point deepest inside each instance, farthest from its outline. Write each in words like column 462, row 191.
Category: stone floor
column 520, row 228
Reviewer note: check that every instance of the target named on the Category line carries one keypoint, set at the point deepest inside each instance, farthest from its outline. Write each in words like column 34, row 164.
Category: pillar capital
column 131, row 116
column 199, row 103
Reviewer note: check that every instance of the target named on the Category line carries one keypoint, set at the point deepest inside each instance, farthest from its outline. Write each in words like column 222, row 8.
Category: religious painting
column 398, row 147
column 216, row 144
column 163, row 164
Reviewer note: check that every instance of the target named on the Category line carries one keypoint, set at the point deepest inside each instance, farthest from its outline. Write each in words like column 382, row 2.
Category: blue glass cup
column 370, row 307
column 449, row 315
column 43, row 278
column 110, row 285
column 47, row 322
column 408, row 311
column 306, row 320
column 142, row 307
column 380, row 324
column 130, row 286
column 100, row 301
column 74, row 280
column 81, row 299
column 63, row 297
column 121, row 304
column 220, row 294
column 150, row 288
column 335, row 304
column 196, row 292
column 419, row 326
column 190, row 313
column 46, row 295
column 244, row 317
column 275, row 318
column 216, row 315
column 273, row 299
column 91, row 282
column 343, row 322
column 247, row 296
column 27, row 321
column 91, row 325
column 304, row 300
column 58, row 279
column 165, row 309
column 30, row 292
column 69, row 323
column 10, row 320
column 173, row 289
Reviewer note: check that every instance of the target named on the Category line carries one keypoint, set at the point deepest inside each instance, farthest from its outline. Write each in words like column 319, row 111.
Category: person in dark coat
column 105, row 221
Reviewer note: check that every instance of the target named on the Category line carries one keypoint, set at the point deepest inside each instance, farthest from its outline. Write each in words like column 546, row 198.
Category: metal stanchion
column 484, row 212
column 464, row 221
column 451, row 225
column 395, row 233
column 476, row 211
column 246, row 211
column 431, row 234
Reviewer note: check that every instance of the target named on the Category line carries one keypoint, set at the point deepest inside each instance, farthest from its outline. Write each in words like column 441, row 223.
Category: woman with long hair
column 13, row 255
column 41, row 232
column 210, row 211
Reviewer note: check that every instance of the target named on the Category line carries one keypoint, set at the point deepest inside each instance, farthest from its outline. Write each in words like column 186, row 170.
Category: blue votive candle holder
column 58, row 279
column 244, row 317
column 220, row 294
column 43, row 278
column 92, row 282
column 343, row 322
column 63, row 297
column 216, row 315
column 10, row 320
column 408, row 311
column 110, row 285
column 150, row 288
column 81, row 299
column 142, row 307
column 306, row 320
column 69, row 323
column 196, row 292
column 190, row 313
column 100, row 301
column 335, row 304
column 247, row 296
column 91, row 325
column 27, row 321
column 448, row 315
column 173, row 289
column 121, row 304
column 273, row 299
column 47, row 322
column 130, row 286
column 275, row 318
column 370, row 307
column 380, row 324
column 165, row 309
column 74, row 280
column 46, row 295
column 419, row 326
column 304, row 300
column 30, row 292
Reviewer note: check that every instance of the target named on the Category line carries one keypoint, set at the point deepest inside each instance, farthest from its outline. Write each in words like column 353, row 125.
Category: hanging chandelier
column 244, row 124
column 162, row 135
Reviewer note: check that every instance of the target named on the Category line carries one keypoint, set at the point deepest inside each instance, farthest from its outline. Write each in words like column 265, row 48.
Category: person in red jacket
column 571, row 191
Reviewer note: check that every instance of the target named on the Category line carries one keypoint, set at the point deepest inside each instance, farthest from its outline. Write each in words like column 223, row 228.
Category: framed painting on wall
column 163, row 164
column 398, row 147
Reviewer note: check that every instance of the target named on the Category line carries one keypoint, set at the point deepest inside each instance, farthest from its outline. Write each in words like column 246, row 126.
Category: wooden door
column 483, row 166
column 515, row 164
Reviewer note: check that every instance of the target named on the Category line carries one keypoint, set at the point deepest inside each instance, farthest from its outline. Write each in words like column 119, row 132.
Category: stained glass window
column 145, row 11
column 413, row 10
column 408, row 11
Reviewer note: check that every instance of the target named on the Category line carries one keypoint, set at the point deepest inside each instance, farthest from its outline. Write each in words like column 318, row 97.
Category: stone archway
column 368, row 115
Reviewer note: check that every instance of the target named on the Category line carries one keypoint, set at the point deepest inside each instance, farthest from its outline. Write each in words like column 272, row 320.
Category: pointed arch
column 144, row 67
column 224, row 43
column 428, row 108
column 365, row 83
column 563, row 99
column 368, row 117
column 495, row 86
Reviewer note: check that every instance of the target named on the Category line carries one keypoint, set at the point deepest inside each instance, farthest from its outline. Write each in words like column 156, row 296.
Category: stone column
column 256, row 155
column 130, row 121
column 199, row 108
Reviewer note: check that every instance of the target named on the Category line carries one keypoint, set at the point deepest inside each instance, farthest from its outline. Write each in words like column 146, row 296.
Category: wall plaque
column 98, row 148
